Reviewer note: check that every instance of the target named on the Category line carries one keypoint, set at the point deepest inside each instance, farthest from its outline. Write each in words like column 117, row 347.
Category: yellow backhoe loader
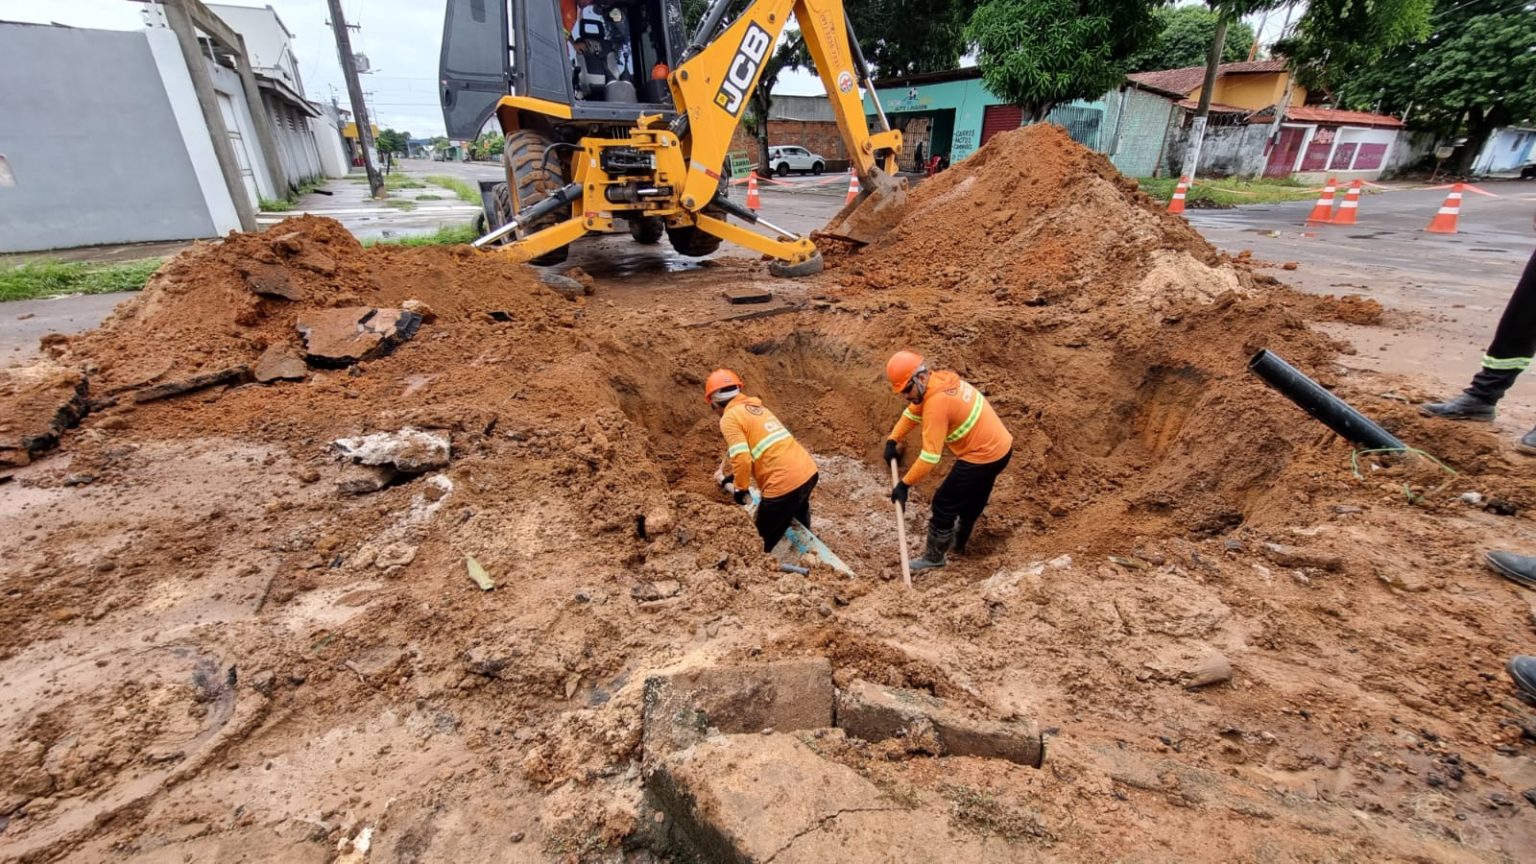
column 610, row 119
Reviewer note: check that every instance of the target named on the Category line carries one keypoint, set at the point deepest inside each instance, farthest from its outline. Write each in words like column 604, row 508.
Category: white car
column 782, row 160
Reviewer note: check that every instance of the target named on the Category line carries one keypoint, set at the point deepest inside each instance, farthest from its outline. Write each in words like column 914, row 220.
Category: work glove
column 899, row 493
column 742, row 496
column 890, row 451
column 727, row 485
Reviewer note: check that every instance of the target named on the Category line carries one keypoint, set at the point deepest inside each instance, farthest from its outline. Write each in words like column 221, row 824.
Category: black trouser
column 774, row 514
column 1514, row 341
column 962, row 496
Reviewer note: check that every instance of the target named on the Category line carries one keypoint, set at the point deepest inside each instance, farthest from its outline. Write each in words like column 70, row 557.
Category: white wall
column 1505, row 150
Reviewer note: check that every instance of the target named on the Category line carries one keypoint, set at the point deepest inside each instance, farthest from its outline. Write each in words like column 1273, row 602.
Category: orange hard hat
column 901, row 367
column 718, row 380
column 659, row 72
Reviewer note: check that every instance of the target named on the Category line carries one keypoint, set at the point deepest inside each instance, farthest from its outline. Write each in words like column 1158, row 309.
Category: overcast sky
column 400, row 37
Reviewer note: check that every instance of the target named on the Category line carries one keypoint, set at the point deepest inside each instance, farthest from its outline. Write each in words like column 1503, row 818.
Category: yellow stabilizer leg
column 545, row 240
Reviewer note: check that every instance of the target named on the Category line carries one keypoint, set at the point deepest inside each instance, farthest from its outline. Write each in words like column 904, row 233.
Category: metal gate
column 1082, row 124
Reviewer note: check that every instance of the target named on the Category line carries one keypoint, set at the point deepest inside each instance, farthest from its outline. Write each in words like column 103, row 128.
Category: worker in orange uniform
column 760, row 448
column 951, row 412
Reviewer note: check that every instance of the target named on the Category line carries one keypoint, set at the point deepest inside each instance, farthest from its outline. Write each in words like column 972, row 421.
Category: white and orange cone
column 1322, row 211
column 853, row 186
column 1350, row 206
column 1176, row 203
column 754, row 200
column 1445, row 218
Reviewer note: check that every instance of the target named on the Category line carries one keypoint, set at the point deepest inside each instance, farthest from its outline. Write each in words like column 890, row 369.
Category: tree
column 909, row 37
column 488, row 146
column 1338, row 35
column 390, row 141
column 1036, row 53
column 440, row 144
column 1185, row 39
column 1475, row 72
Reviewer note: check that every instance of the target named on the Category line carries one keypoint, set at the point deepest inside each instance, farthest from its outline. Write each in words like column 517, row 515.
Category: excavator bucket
column 877, row 209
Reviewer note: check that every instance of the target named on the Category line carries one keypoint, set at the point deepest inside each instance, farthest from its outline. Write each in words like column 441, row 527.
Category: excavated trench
column 1109, row 443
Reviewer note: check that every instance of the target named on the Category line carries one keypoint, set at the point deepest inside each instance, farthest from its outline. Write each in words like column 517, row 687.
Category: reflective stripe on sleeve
column 736, row 450
column 930, row 458
column 963, row 428
column 915, row 418
column 1518, row 364
column 763, row 445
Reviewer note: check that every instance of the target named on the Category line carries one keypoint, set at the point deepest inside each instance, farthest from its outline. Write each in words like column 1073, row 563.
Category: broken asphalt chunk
column 37, row 404
column 197, row 382
column 341, row 337
column 280, row 363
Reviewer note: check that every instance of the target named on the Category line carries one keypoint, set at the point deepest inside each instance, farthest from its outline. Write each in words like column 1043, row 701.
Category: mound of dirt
column 222, row 304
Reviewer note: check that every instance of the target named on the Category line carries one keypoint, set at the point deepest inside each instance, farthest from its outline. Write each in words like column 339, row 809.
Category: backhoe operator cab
column 552, row 72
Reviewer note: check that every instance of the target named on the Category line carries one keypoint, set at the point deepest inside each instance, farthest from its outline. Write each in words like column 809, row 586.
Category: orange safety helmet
column 659, row 72
column 901, row 367
column 719, row 380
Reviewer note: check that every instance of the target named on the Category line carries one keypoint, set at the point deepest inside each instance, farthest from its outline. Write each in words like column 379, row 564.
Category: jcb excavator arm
column 711, row 89
column 672, row 172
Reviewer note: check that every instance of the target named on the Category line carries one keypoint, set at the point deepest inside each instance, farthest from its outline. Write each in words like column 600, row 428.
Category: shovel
column 901, row 531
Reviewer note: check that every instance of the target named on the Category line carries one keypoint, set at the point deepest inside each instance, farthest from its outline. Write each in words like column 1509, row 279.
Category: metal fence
column 1083, row 124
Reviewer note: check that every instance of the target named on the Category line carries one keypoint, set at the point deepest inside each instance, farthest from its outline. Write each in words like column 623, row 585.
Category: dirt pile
column 349, row 681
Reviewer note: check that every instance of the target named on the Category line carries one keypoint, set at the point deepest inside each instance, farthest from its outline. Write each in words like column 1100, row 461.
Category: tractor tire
column 647, row 231
column 530, row 179
column 693, row 241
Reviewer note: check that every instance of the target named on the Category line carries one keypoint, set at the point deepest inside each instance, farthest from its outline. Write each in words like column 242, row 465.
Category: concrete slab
column 877, row 713
column 681, row 708
column 753, row 799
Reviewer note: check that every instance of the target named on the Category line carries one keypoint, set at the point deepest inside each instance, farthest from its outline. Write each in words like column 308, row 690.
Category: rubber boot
column 1527, row 443
column 938, row 545
column 1478, row 400
column 1464, row 406
column 963, row 534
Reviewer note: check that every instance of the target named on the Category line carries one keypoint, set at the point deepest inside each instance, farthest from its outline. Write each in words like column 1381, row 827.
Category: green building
column 953, row 113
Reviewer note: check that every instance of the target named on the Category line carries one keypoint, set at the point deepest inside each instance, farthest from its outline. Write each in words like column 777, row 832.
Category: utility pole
column 180, row 20
column 355, row 91
column 1203, row 108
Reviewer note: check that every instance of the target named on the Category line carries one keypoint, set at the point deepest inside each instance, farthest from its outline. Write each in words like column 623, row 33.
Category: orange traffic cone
column 1445, row 219
column 754, row 201
column 1322, row 211
column 1176, row 203
column 1349, row 206
column 853, row 186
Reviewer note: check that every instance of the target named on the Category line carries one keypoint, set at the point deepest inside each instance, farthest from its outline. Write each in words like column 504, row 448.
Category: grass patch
column 267, row 205
column 402, row 181
column 429, row 197
column 401, row 203
column 450, row 235
column 1229, row 191
column 51, row 278
column 465, row 191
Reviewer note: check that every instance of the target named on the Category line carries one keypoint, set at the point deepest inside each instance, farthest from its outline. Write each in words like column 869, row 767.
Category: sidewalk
column 347, row 201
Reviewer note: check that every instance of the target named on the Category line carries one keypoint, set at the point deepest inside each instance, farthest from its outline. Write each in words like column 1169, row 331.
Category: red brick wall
column 817, row 137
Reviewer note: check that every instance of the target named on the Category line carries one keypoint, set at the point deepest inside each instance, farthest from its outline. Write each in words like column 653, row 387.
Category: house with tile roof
column 1259, row 125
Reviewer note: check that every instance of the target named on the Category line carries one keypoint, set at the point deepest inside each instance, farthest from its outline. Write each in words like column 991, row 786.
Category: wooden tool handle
column 901, row 529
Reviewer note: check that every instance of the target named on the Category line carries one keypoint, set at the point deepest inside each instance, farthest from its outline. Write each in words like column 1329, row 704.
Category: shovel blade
column 878, row 208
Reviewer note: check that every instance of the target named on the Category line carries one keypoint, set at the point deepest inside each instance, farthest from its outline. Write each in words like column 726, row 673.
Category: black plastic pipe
column 1324, row 407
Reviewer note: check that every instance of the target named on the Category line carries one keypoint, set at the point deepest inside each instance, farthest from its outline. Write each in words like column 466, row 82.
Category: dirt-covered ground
column 209, row 653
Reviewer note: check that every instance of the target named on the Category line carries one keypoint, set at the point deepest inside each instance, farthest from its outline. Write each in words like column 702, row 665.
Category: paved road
column 23, row 322
column 1448, row 290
